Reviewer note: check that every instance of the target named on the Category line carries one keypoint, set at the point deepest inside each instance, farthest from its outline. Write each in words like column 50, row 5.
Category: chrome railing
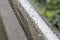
column 37, row 20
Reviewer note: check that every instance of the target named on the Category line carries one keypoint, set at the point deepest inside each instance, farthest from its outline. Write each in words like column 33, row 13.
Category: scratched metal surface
column 38, row 20
column 54, row 29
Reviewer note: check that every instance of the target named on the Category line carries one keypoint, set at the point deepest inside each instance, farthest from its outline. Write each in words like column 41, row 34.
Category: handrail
column 38, row 21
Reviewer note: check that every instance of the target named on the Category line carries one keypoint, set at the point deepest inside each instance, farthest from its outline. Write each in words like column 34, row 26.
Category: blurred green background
column 51, row 10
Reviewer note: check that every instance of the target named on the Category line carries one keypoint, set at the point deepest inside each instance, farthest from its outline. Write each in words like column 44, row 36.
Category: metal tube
column 48, row 33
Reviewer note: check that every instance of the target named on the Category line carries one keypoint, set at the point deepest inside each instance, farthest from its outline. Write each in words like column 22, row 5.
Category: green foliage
column 51, row 9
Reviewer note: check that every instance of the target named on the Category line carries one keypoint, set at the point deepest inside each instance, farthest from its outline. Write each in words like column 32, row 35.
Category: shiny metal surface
column 48, row 33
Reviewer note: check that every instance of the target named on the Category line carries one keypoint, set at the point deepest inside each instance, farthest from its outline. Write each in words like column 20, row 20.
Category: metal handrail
column 38, row 21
